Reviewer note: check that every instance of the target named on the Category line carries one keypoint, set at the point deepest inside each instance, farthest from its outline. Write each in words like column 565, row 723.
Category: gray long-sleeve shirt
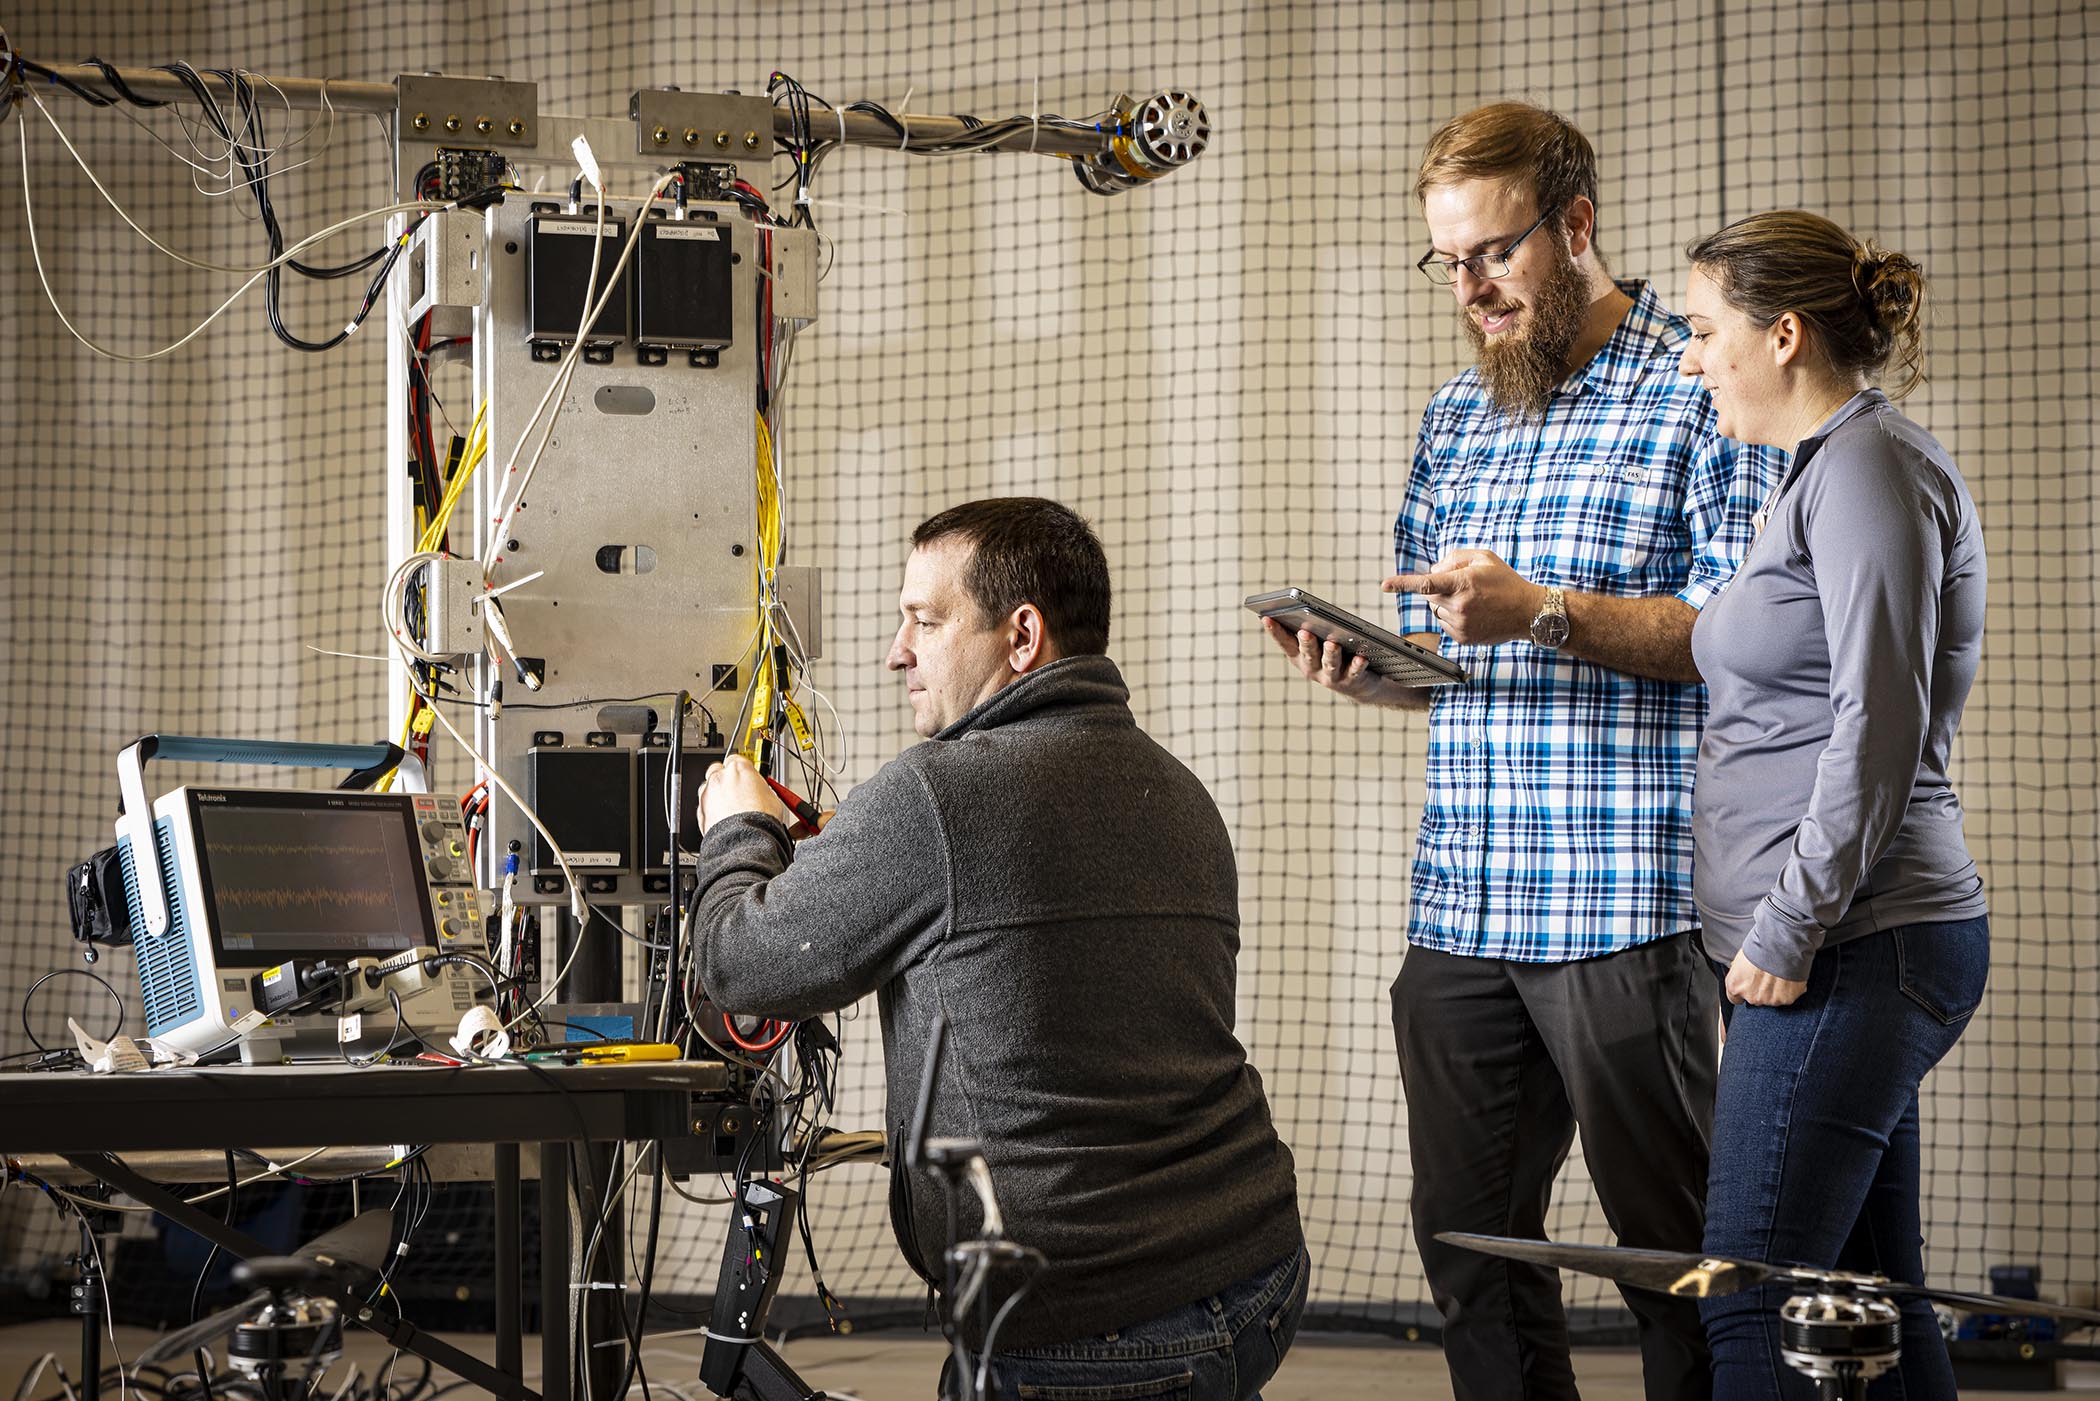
column 1064, row 890
column 1837, row 661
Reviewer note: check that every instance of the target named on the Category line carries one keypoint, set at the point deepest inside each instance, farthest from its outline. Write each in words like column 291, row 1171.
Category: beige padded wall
column 1224, row 371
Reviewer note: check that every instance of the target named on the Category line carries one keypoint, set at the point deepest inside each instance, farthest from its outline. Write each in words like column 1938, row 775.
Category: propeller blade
column 1675, row 1272
column 1710, row 1276
column 361, row 1242
column 186, row 1340
column 1993, row 1303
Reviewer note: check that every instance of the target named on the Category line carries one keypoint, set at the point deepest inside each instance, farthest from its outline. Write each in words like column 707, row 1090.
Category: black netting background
column 1224, row 371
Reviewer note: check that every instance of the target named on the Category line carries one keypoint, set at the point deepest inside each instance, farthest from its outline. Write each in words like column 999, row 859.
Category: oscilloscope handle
column 367, row 763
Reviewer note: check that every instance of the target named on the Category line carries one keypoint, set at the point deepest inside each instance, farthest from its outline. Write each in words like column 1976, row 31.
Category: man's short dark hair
column 1029, row 550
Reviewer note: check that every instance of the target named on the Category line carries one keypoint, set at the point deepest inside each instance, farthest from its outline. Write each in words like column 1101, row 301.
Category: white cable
column 269, row 1171
column 109, row 1316
column 557, row 390
column 37, row 254
column 566, row 372
column 111, row 200
column 577, row 905
column 393, row 605
column 613, row 1201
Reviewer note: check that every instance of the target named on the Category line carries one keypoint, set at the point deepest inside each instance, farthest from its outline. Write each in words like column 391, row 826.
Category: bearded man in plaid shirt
column 1571, row 507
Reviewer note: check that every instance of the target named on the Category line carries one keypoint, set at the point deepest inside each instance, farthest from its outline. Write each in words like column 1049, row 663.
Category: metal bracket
column 444, row 262
column 702, row 126
column 436, row 110
column 469, row 111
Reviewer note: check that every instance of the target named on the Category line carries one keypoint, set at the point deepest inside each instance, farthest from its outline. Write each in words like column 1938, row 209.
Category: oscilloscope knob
column 433, row 831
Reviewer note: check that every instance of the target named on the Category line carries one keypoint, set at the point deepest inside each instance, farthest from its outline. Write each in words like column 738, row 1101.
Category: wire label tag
column 576, row 226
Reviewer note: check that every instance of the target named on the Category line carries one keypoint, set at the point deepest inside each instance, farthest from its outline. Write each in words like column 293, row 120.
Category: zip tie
column 1035, row 108
column 840, row 113
column 506, row 588
column 904, row 121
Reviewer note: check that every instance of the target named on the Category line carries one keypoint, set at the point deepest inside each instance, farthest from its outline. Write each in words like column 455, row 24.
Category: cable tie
column 904, row 120
column 1035, row 109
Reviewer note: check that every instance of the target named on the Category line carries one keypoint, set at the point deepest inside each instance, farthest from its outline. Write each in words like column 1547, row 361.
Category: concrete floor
column 898, row 1367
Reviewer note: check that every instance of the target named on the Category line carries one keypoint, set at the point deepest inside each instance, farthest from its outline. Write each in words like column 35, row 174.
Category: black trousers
column 1503, row 1063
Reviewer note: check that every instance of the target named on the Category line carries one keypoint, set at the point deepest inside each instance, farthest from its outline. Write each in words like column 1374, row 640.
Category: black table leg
column 87, row 1302
column 554, row 1272
column 510, row 1264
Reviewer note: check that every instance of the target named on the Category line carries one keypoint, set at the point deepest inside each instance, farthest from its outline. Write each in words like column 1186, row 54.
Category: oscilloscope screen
column 290, row 874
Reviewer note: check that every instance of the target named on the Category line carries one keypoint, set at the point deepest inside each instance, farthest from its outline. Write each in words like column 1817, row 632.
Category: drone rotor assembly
column 1842, row 1329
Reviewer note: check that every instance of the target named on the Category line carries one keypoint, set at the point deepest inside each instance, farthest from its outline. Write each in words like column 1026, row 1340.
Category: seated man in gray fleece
column 1063, row 889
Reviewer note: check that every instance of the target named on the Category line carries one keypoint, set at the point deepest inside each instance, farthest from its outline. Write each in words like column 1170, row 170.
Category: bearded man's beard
column 1522, row 367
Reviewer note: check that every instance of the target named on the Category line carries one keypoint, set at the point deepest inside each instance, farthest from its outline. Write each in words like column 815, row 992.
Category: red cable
column 776, row 1030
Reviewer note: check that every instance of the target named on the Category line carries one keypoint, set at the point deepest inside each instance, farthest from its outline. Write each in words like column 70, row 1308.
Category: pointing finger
column 1432, row 584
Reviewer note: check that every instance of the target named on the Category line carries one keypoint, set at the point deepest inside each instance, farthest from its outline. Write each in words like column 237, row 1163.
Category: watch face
column 1550, row 629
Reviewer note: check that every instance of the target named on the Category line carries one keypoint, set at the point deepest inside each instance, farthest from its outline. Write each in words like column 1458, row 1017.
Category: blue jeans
column 1815, row 1156
column 1218, row 1349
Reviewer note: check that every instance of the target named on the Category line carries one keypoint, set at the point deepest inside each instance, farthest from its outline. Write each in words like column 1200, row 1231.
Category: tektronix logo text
column 211, row 797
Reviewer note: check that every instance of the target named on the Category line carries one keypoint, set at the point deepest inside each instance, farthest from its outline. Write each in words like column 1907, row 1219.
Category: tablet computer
column 1386, row 653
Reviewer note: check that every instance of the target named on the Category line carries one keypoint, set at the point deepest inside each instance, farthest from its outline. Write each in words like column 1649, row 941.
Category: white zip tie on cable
column 904, row 121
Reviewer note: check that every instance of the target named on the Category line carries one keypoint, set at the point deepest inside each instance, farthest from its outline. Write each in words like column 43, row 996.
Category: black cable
column 211, row 1257
column 638, row 1322
column 249, row 152
column 117, row 84
column 77, row 973
column 93, row 99
column 674, row 797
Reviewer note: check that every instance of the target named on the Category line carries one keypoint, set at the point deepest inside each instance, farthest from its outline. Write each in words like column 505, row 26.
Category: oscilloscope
column 282, row 910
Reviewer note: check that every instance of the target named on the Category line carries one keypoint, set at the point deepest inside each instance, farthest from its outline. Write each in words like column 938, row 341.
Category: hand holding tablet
column 1383, row 653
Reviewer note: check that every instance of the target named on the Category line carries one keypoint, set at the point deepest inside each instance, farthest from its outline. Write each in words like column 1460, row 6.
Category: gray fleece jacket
column 1064, row 890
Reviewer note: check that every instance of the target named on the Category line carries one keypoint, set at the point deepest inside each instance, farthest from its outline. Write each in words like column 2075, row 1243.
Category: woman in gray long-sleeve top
column 1839, row 903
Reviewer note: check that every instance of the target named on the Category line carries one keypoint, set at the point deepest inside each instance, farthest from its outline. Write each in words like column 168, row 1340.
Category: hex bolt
column 750, row 140
column 421, row 121
column 484, row 125
column 692, row 136
column 662, row 135
column 452, row 123
column 517, row 128
column 721, row 141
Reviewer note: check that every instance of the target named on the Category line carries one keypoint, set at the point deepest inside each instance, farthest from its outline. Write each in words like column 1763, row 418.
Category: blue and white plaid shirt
column 1558, row 823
